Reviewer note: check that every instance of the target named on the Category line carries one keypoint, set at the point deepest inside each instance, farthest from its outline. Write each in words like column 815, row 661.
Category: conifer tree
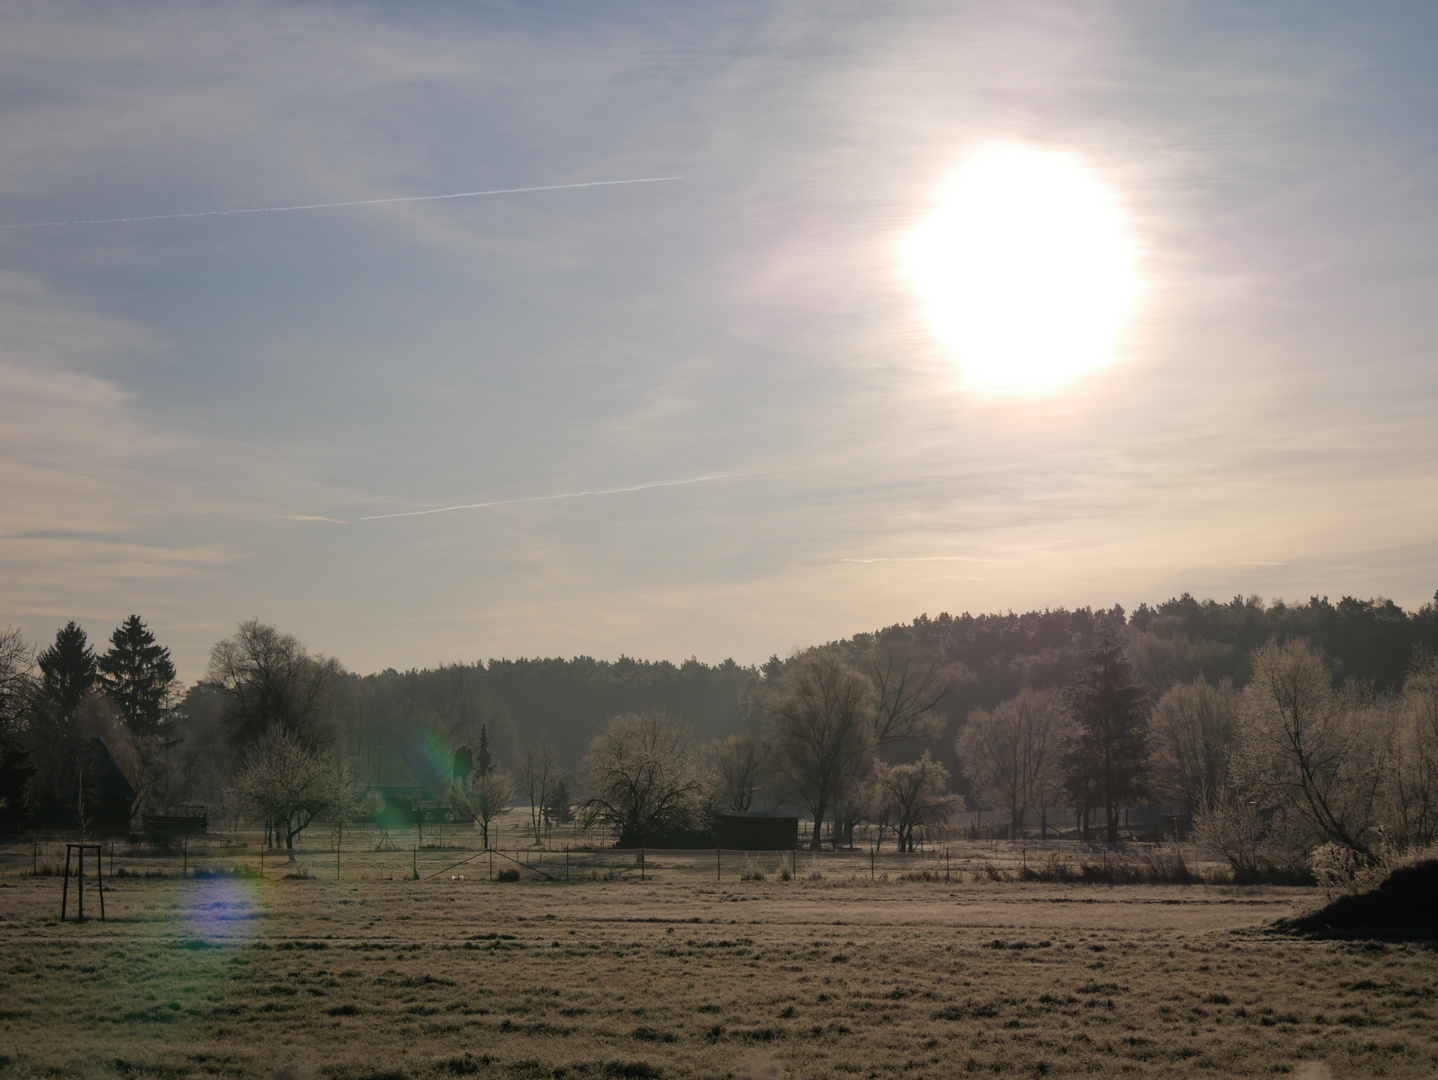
column 68, row 672
column 1109, row 758
column 138, row 675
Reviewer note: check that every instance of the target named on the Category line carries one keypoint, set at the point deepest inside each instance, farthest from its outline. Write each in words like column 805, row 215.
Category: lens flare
column 224, row 910
column 1026, row 269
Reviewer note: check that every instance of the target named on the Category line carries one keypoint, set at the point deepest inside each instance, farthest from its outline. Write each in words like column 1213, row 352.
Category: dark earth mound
column 1403, row 908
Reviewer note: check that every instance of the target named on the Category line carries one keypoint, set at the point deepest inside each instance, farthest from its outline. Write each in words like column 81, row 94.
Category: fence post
column 65, row 889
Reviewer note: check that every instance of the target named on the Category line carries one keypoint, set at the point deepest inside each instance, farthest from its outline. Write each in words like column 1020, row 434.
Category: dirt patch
column 1403, row 908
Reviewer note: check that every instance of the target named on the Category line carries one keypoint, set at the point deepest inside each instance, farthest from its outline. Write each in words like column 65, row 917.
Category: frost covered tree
column 821, row 726
column 914, row 796
column 288, row 785
column 643, row 776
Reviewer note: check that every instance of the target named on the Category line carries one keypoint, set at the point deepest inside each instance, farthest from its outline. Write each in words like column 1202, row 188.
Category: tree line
column 1084, row 710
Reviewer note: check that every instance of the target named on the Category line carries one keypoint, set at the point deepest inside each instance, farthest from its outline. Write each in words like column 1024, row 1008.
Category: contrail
column 919, row 558
column 601, row 491
column 355, row 202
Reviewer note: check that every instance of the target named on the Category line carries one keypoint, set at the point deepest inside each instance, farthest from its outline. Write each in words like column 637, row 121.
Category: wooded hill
column 401, row 727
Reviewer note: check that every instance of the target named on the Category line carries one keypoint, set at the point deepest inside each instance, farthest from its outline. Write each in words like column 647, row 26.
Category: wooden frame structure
column 80, row 850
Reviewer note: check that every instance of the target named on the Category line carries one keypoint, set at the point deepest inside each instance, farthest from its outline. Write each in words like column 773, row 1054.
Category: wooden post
column 80, row 882
column 414, row 861
column 339, row 839
column 100, row 879
column 65, row 889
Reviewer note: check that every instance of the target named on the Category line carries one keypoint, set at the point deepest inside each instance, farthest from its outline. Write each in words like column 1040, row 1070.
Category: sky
column 720, row 412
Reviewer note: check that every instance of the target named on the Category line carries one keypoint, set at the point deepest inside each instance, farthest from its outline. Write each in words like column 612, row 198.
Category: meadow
column 815, row 970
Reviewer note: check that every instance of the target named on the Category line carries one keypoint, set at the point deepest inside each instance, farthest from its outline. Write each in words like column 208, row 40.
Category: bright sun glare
column 1026, row 268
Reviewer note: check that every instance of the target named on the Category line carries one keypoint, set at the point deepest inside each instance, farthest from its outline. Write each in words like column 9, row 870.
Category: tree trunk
column 816, row 842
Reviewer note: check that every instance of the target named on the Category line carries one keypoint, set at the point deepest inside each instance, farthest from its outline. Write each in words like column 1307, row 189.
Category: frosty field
column 383, row 978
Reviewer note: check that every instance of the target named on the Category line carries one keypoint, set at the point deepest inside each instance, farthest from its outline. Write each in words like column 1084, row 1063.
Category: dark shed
column 755, row 830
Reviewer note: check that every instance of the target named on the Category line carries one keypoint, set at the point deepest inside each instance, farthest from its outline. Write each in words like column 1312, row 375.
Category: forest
column 901, row 726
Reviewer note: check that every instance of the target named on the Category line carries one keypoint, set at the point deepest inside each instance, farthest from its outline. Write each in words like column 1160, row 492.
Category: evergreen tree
column 1109, row 758
column 138, row 674
column 68, row 672
column 484, row 763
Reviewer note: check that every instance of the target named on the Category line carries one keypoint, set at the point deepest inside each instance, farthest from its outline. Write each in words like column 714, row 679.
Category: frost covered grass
column 409, row 980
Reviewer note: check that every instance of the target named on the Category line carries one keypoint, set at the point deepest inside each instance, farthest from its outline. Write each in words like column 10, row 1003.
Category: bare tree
column 821, row 722
column 908, row 686
column 485, row 796
column 1309, row 749
column 288, row 785
column 643, row 777
column 1256, row 841
column 1193, row 725
column 453, row 695
column 540, row 772
column 17, row 680
column 1014, row 755
column 735, row 765
column 271, row 680
column 17, row 689
column 1413, row 788
column 915, row 796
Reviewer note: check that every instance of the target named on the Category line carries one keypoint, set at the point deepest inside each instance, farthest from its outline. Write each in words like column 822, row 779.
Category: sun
column 1027, row 269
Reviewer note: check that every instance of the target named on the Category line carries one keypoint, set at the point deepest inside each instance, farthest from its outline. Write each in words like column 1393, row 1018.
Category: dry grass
column 824, row 975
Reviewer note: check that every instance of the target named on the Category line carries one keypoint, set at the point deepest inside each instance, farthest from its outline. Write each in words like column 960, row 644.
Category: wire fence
column 520, row 851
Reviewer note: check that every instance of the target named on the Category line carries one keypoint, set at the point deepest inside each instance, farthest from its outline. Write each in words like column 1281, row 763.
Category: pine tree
column 484, row 762
column 138, row 674
column 68, row 672
column 1107, row 763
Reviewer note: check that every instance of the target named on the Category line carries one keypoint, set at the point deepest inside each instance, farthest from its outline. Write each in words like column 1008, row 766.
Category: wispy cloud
column 334, row 205
column 918, row 559
column 710, row 478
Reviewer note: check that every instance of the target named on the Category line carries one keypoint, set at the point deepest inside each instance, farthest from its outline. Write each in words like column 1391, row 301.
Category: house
column 88, row 792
